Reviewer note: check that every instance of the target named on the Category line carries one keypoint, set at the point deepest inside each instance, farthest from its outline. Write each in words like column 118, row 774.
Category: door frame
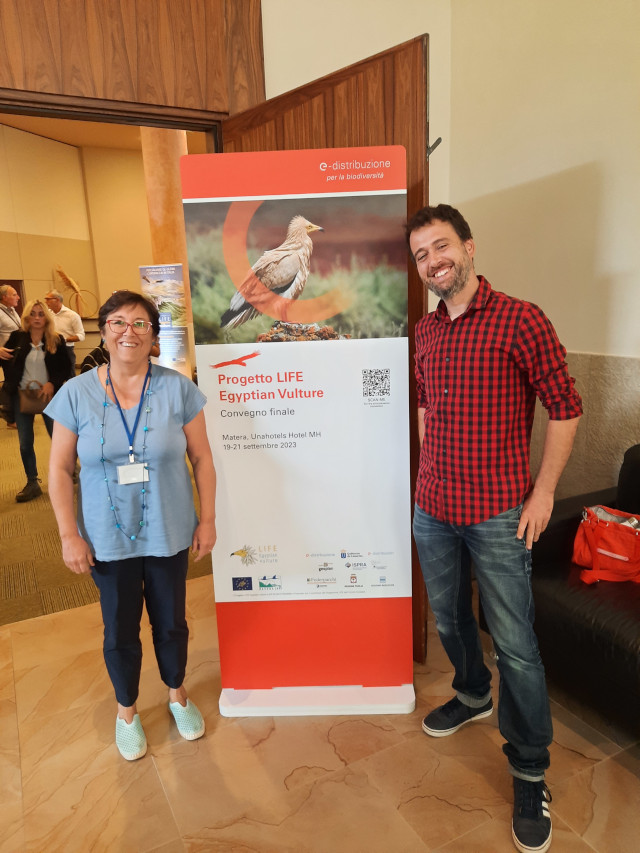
column 80, row 108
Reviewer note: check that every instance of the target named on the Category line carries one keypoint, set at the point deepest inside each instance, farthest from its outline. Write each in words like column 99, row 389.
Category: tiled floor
column 284, row 785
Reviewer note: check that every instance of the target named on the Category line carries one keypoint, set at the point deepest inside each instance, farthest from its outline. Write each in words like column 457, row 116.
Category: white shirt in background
column 67, row 322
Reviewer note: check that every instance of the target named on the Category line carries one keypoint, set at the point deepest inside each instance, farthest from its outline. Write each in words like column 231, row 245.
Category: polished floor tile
column 359, row 784
column 494, row 836
column 601, row 804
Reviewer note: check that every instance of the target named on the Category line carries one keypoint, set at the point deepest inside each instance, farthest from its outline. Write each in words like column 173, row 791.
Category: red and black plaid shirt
column 478, row 377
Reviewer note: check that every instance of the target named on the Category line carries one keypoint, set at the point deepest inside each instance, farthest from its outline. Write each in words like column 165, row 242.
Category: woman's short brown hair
column 120, row 298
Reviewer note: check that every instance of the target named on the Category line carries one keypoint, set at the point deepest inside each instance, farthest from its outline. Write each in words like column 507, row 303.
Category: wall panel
column 200, row 55
column 10, row 263
column 609, row 388
column 39, row 256
column 46, row 185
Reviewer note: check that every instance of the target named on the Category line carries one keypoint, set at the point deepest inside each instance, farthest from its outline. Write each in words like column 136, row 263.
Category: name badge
column 136, row 472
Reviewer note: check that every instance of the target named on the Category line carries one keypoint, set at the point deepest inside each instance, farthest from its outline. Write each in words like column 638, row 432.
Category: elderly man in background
column 9, row 322
column 67, row 323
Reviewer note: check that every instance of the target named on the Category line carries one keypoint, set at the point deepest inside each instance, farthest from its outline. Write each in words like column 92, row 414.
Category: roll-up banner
column 164, row 286
column 297, row 264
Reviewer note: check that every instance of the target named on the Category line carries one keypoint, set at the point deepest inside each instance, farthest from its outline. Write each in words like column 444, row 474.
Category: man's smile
column 442, row 272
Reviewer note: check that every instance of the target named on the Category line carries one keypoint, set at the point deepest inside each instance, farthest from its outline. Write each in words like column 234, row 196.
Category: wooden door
column 379, row 101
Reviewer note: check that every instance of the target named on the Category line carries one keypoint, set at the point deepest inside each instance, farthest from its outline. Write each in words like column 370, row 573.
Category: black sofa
column 589, row 634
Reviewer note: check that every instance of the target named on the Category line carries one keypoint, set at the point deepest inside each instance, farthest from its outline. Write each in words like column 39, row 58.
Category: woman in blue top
column 131, row 423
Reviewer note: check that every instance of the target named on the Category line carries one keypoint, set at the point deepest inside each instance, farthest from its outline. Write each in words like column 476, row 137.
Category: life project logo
column 247, row 554
column 262, row 554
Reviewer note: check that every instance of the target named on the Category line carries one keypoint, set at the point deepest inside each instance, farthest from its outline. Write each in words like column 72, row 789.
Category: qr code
column 376, row 382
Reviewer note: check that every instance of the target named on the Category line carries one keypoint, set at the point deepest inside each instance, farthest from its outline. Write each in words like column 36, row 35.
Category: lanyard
column 11, row 316
column 130, row 433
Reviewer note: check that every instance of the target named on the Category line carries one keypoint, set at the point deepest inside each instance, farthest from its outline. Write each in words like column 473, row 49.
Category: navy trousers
column 159, row 582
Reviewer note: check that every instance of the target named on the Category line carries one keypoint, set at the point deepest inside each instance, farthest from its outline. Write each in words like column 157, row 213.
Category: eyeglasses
column 138, row 327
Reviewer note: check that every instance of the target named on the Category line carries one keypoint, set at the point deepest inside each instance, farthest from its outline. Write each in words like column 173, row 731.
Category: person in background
column 9, row 322
column 482, row 358
column 97, row 356
column 100, row 355
column 131, row 423
column 39, row 358
column 68, row 323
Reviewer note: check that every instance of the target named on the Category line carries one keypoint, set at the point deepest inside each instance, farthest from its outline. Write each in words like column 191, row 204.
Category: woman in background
column 130, row 423
column 39, row 361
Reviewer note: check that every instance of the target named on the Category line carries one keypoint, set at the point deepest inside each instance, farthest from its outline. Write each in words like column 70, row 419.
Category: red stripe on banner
column 282, row 173
column 315, row 643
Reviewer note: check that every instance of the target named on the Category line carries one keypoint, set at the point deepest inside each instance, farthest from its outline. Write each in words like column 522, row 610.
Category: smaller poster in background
column 164, row 285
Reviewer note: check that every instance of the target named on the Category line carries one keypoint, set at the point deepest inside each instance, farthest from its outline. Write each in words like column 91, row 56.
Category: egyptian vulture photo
column 283, row 271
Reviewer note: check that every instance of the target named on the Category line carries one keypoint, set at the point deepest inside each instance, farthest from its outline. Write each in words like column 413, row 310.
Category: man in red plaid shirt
column 482, row 358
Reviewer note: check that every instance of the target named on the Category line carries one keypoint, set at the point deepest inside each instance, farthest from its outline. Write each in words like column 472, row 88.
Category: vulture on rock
column 283, row 271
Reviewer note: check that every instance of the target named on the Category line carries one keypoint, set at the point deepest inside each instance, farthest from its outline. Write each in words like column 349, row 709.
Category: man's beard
column 456, row 285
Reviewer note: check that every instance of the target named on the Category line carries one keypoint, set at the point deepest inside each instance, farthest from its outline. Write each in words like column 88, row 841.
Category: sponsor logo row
column 266, row 583
column 324, row 574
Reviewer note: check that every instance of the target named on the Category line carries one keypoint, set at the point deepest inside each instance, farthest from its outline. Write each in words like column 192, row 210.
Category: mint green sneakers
column 132, row 742
column 130, row 738
column 188, row 720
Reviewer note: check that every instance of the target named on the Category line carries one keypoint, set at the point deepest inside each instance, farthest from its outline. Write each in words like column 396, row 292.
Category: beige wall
column 304, row 41
column 537, row 103
column 84, row 209
column 545, row 149
column 545, row 161
column 118, row 215
column 43, row 216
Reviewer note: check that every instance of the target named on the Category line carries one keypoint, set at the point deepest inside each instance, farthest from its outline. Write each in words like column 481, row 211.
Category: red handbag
column 607, row 544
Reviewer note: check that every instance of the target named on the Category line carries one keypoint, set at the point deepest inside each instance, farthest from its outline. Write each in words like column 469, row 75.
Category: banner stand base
column 310, row 701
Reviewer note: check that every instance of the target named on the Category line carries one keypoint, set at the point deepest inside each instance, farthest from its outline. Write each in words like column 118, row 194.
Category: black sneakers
column 31, row 490
column 531, row 826
column 451, row 716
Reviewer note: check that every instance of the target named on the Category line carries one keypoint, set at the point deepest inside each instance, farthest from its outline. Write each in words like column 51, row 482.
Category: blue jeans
column 24, row 423
column 502, row 567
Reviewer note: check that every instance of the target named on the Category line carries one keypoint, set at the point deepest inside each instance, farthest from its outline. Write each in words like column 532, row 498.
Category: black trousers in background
column 71, row 352
column 124, row 584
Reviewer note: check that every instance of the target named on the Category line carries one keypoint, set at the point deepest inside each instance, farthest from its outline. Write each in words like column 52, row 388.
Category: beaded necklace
column 146, row 391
